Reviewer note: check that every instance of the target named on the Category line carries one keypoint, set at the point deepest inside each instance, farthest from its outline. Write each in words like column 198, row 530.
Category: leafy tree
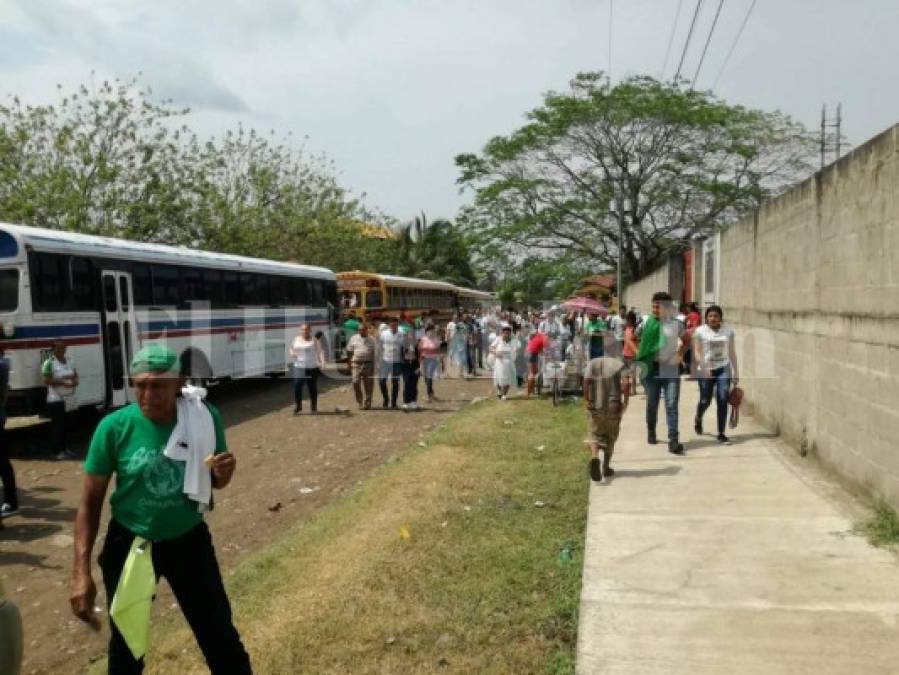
column 662, row 163
column 435, row 251
column 110, row 161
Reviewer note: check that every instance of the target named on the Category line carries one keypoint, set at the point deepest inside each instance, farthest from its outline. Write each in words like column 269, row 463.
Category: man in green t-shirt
column 149, row 501
column 350, row 327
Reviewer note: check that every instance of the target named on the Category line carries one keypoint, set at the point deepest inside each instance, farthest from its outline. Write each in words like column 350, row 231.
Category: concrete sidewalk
column 729, row 560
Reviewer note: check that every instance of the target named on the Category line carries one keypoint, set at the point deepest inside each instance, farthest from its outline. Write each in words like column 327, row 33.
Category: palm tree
column 435, row 251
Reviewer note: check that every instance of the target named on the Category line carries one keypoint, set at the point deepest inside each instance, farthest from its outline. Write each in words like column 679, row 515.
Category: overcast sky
column 392, row 90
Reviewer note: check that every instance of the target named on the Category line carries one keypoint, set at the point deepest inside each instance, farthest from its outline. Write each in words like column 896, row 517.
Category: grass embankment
column 882, row 529
column 478, row 586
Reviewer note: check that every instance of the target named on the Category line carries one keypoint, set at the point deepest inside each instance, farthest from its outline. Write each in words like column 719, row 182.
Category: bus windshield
column 9, row 290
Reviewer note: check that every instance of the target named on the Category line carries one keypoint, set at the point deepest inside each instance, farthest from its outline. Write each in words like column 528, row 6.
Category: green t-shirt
column 350, row 327
column 149, row 497
column 594, row 329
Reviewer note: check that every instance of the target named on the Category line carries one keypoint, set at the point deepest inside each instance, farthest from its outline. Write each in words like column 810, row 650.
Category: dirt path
column 288, row 468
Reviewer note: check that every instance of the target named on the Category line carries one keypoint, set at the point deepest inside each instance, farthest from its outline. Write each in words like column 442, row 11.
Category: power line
column 707, row 41
column 734, row 45
column 689, row 37
column 610, row 41
column 671, row 37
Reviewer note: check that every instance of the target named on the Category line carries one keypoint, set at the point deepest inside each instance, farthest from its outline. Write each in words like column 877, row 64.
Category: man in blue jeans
column 662, row 346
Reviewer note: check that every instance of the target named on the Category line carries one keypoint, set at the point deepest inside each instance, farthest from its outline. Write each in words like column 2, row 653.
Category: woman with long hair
column 716, row 367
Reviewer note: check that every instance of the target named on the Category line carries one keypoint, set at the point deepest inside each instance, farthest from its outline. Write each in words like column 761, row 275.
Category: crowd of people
column 657, row 350
column 173, row 434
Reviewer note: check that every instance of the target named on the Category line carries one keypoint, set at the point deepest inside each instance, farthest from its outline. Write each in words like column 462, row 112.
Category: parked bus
column 377, row 296
column 226, row 316
column 469, row 299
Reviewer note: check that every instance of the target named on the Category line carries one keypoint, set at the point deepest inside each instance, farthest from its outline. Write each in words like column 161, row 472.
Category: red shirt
column 694, row 320
column 537, row 344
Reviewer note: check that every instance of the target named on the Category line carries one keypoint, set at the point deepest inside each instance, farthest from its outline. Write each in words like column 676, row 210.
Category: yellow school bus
column 375, row 296
column 469, row 299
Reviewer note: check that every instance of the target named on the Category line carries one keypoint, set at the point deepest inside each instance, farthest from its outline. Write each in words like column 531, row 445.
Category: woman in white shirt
column 716, row 361
column 504, row 351
column 308, row 362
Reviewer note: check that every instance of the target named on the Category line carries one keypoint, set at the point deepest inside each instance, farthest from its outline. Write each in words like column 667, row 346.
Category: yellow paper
column 134, row 597
column 404, row 532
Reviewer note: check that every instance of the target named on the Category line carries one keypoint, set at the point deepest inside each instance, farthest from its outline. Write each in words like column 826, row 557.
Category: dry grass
column 478, row 586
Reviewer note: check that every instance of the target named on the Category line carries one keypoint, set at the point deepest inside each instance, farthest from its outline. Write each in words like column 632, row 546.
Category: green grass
column 882, row 529
column 479, row 585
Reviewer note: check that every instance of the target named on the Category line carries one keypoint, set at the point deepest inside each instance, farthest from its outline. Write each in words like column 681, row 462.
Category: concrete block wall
column 811, row 284
column 639, row 294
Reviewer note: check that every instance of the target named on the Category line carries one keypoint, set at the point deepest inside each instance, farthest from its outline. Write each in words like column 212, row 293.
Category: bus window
column 123, row 292
column 109, row 293
column 142, row 288
column 9, row 290
column 373, row 299
column 316, row 293
column 81, row 281
column 166, row 286
column 330, row 292
column 253, row 289
column 299, row 291
column 232, row 289
column 115, row 352
column 350, row 299
column 212, row 287
column 192, row 283
column 48, row 282
column 279, row 291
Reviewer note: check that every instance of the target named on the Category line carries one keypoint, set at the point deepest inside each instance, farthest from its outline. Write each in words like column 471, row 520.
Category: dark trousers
column 57, row 413
column 717, row 383
column 410, row 382
column 470, row 358
column 310, row 378
column 394, row 373
column 188, row 563
column 7, row 475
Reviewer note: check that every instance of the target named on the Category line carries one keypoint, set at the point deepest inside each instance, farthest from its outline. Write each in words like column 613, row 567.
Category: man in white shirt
column 617, row 324
column 61, row 380
column 391, row 366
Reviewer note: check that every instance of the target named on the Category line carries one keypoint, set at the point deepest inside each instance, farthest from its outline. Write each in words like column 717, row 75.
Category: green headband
column 155, row 358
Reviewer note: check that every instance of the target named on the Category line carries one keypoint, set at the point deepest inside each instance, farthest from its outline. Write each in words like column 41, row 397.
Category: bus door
column 119, row 334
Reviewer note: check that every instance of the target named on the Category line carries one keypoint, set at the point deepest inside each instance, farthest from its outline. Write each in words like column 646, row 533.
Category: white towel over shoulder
column 192, row 440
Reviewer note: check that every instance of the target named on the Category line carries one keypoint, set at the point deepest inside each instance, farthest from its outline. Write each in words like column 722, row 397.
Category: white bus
column 226, row 316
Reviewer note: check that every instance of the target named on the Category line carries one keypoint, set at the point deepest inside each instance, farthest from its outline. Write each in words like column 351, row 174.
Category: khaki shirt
column 362, row 349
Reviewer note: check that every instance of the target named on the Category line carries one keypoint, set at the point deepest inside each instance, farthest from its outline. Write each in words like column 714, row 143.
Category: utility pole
column 839, row 123
column 831, row 142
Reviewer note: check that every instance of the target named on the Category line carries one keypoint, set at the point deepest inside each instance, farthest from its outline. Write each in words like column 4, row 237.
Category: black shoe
column 674, row 447
column 697, row 426
column 651, row 438
column 723, row 440
column 595, row 470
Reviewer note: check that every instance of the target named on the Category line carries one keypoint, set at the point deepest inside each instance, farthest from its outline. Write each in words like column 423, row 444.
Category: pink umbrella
column 585, row 304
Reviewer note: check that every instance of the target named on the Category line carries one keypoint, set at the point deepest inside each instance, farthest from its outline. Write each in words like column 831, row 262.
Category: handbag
column 735, row 399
